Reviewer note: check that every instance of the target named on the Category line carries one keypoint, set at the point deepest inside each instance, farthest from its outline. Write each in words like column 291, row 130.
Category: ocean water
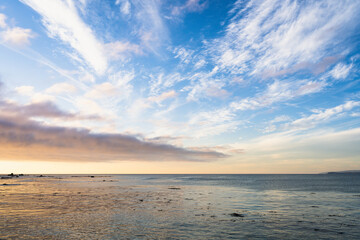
column 324, row 206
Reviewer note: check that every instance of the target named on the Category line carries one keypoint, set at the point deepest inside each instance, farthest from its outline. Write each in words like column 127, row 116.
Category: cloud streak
column 279, row 91
column 152, row 30
column 321, row 116
column 62, row 21
column 189, row 6
column 278, row 35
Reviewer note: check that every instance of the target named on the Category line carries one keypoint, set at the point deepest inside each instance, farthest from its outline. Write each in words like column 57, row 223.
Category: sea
column 314, row 206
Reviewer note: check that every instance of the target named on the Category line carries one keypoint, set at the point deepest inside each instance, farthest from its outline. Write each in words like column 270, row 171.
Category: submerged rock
column 237, row 215
column 11, row 175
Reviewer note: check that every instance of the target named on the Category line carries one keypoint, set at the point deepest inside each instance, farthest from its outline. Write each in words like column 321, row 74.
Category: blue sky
column 179, row 86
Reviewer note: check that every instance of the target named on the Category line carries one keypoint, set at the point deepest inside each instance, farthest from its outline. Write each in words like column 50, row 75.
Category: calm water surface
column 181, row 207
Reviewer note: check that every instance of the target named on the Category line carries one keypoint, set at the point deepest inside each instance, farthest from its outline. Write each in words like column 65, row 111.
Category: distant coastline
column 345, row 172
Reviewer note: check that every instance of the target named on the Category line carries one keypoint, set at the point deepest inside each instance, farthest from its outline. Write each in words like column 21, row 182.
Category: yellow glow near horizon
column 138, row 167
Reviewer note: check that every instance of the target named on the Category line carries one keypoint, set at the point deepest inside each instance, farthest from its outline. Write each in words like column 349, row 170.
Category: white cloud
column 162, row 82
column 122, row 79
column 137, row 107
column 89, row 107
column 3, row 21
column 25, row 90
column 126, row 8
column 152, row 29
column 87, row 77
column 199, row 124
column 207, row 88
column 36, row 97
column 102, row 90
column 16, row 36
column 272, row 126
column 108, row 98
column 140, row 105
column 212, row 123
column 62, row 20
column 205, row 85
column 60, row 88
column 282, row 118
column 119, row 50
column 200, row 63
column 340, row 71
column 42, row 97
column 275, row 35
column 190, row 6
column 279, row 91
column 162, row 97
column 183, row 54
column 321, row 116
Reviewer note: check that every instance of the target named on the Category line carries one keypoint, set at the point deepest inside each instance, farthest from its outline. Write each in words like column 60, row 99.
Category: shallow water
column 181, row 207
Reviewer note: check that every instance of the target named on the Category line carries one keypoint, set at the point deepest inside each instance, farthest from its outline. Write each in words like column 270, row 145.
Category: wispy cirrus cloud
column 340, row 71
column 184, row 55
column 151, row 29
column 278, row 91
column 189, row 6
column 321, row 116
column 125, row 7
column 226, row 119
column 212, row 123
column 162, row 97
column 62, row 21
column 277, row 35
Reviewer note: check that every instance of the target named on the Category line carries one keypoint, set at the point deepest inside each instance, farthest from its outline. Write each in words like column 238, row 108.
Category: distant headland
column 345, row 172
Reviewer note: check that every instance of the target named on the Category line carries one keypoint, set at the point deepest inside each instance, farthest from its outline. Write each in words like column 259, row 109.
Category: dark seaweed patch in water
column 237, row 215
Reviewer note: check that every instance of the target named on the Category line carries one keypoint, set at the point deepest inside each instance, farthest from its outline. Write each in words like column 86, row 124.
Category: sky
column 170, row 86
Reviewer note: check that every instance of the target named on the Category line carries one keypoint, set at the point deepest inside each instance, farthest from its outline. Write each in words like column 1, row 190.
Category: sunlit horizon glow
column 192, row 86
